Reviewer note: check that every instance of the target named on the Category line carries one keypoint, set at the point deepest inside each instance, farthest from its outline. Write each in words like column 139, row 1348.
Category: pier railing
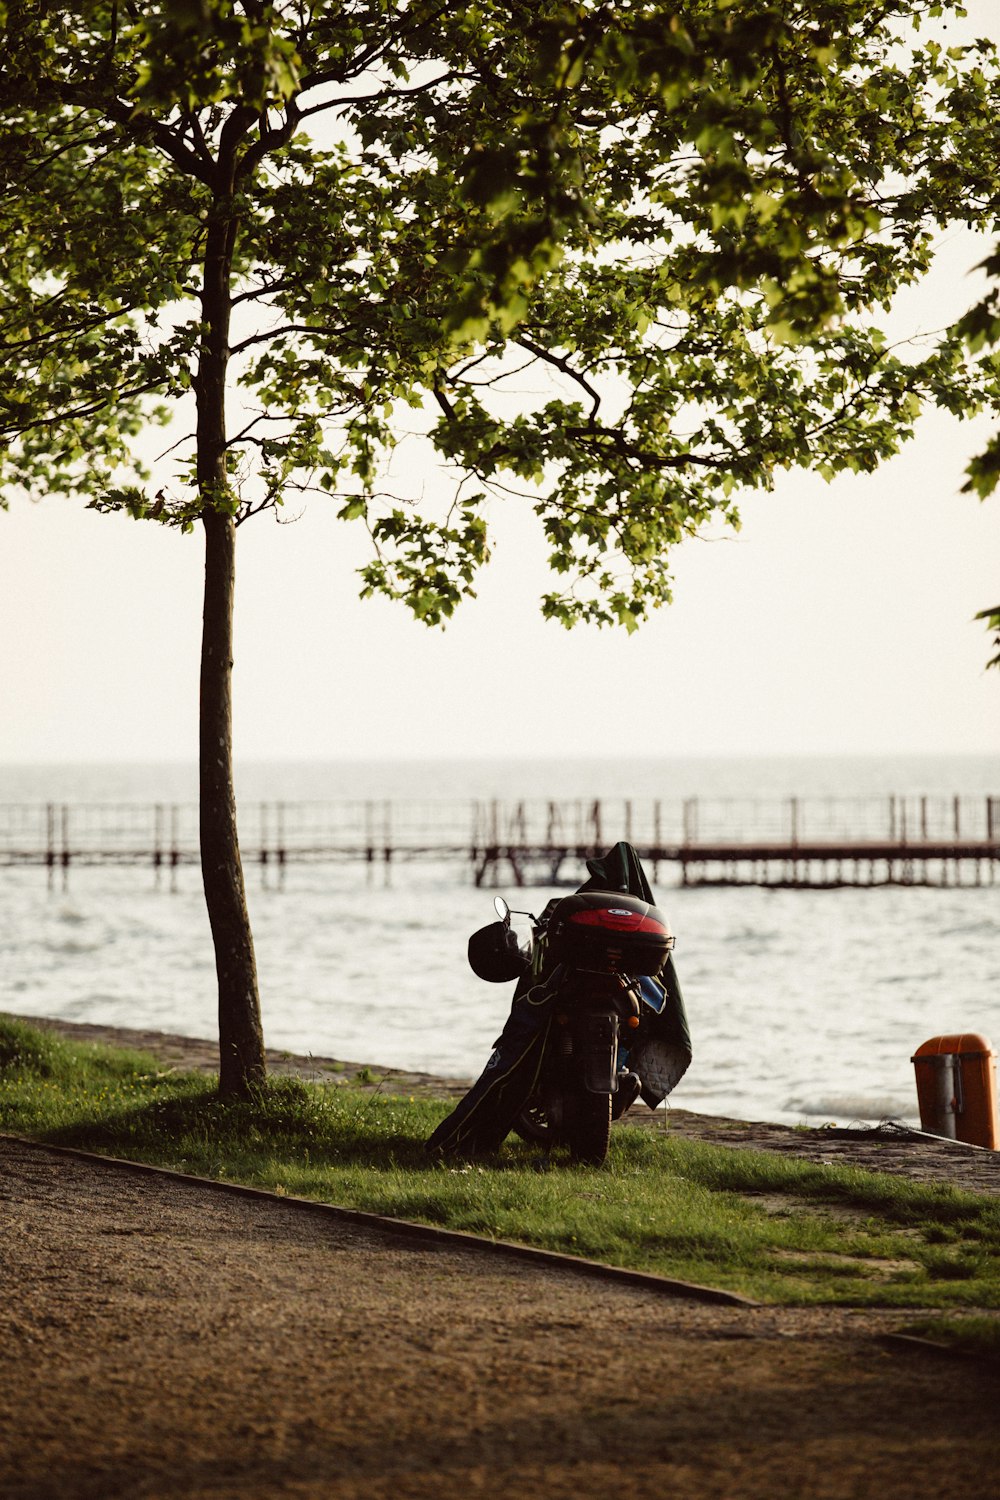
column 777, row 841
column 910, row 821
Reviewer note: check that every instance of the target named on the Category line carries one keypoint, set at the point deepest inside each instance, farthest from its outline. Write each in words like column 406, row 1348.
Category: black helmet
column 494, row 953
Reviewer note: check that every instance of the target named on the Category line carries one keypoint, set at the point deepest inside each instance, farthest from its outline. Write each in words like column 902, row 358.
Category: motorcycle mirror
column 501, row 908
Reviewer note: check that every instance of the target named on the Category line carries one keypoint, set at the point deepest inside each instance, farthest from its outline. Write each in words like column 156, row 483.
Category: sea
column 805, row 1006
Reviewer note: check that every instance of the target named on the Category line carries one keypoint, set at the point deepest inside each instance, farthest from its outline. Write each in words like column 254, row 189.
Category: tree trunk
column 241, row 1037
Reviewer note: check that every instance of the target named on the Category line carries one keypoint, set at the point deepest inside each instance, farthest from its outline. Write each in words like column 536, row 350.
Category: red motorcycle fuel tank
column 605, row 932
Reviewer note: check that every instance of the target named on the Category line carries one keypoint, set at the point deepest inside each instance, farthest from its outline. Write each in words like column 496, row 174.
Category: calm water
column 803, row 1005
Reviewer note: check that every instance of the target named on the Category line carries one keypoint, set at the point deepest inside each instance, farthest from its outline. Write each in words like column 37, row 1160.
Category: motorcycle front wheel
column 588, row 1129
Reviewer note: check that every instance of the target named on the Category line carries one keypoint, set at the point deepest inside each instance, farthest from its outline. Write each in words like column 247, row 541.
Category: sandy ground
column 166, row 1338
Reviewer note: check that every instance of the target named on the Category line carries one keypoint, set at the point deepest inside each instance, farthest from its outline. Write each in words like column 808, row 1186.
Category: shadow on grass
column 284, row 1121
column 183, row 1120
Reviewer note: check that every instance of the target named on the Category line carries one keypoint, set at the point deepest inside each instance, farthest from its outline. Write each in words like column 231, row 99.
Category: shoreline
column 926, row 1159
column 201, row 1055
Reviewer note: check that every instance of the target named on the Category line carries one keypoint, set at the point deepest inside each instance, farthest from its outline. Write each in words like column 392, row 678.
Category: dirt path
column 164, row 1338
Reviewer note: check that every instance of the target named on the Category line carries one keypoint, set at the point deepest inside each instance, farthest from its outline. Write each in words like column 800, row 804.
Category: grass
column 778, row 1229
column 971, row 1334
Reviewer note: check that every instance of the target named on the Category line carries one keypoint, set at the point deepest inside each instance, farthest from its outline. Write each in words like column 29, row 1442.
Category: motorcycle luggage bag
column 605, row 932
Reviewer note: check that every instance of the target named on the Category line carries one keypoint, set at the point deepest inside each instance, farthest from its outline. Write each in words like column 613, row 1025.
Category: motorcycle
column 597, row 1018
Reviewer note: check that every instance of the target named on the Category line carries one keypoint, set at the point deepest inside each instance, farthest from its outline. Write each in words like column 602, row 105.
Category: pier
column 793, row 842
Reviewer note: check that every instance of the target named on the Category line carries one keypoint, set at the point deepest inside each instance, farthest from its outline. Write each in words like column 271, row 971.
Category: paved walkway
column 164, row 1338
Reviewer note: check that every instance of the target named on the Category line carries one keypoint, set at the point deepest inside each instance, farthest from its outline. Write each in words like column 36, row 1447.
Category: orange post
column 957, row 1088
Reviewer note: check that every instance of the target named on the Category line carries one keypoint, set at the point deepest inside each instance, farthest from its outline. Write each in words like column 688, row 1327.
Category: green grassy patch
column 771, row 1227
column 971, row 1334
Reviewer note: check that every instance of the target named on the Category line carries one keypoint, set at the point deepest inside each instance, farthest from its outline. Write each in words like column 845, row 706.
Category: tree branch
column 137, row 126
column 387, row 93
column 560, row 362
column 269, row 141
column 110, row 398
column 275, row 333
column 605, row 437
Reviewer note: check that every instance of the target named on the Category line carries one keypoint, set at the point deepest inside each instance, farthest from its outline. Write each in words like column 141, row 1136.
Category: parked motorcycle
column 597, row 1018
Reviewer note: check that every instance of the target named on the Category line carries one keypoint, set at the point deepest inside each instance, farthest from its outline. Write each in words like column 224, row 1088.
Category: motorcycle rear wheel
column 588, row 1130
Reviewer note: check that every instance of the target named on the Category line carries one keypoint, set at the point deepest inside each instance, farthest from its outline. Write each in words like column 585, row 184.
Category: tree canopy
column 680, row 218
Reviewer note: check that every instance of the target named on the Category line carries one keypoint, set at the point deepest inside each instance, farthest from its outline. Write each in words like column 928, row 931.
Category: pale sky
column 838, row 621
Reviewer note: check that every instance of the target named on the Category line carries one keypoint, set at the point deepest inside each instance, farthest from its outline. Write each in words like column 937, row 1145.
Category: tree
column 981, row 327
column 302, row 228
